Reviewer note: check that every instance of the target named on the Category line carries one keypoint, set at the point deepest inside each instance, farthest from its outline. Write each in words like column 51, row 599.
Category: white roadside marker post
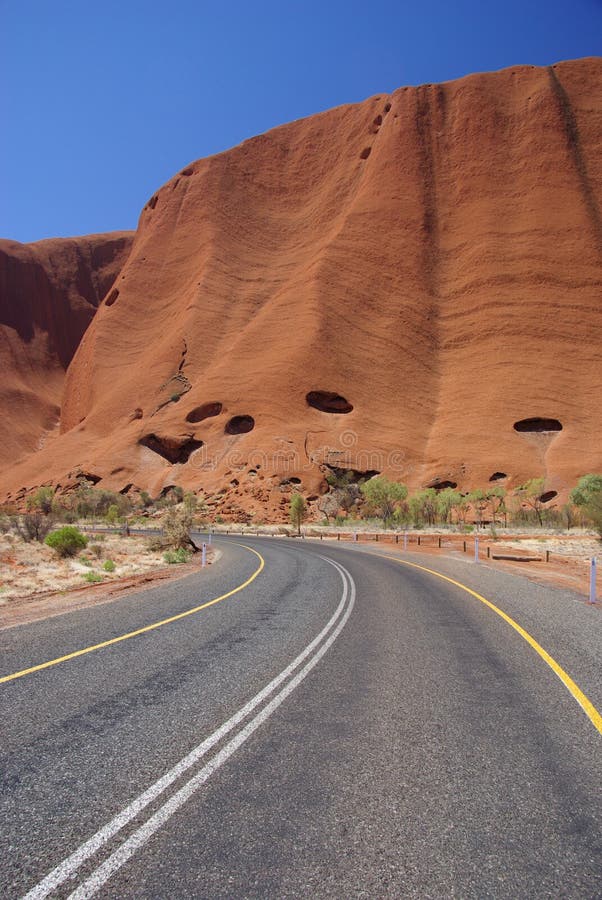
column 592, row 581
column 204, row 555
column 209, row 538
column 476, row 549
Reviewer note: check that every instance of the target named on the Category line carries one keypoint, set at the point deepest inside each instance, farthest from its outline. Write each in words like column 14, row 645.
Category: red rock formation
column 49, row 292
column 386, row 286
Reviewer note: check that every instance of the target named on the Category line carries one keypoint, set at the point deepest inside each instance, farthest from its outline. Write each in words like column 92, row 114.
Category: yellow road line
column 131, row 634
column 586, row 704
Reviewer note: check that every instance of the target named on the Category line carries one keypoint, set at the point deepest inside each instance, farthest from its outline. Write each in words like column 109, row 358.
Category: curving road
column 329, row 722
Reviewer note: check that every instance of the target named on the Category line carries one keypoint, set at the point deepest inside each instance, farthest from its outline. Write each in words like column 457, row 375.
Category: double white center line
column 278, row 690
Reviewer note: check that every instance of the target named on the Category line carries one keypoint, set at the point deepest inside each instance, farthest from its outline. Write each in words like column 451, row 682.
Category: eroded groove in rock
column 174, row 450
column 547, row 496
column 537, row 425
column 240, row 425
column 204, row 411
column 328, row 401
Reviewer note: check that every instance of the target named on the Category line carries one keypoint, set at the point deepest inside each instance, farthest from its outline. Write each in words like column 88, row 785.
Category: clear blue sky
column 102, row 102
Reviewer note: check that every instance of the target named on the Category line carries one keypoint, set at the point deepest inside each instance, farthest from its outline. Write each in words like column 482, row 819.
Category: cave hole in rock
column 365, row 152
column 153, row 202
column 497, row 476
column 352, row 476
column 89, row 476
column 547, row 496
column 378, row 121
column 112, row 297
column 387, row 107
column 240, row 425
column 127, row 488
column 537, row 425
column 174, row 450
column 443, row 485
column 328, row 401
column 204, row 411
column 187, row 172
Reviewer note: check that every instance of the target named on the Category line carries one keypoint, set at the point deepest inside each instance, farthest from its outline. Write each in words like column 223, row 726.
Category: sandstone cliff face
column 390, row 286
column 49, row 292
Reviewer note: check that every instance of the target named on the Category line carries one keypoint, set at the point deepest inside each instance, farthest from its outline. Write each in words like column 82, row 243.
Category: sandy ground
column 35, row 583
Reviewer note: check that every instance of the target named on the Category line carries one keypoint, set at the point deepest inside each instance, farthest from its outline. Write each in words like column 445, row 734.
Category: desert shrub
column 85, row 561
column 588, row 497
column 298, row 511
column 42, row 500
column 66, row 541
column 33, row 526
column 176, row 528
column 176, row 556
column 96, row 549
column 92, row 577
column 108, row 565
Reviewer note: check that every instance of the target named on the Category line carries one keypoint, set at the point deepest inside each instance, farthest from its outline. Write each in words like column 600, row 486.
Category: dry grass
column 29, row 569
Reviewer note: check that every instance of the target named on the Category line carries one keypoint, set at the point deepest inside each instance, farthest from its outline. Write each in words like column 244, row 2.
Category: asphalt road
column 343, row 726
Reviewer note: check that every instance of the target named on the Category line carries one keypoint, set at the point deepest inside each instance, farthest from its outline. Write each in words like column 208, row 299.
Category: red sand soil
column 38, row 606
column 388, row 286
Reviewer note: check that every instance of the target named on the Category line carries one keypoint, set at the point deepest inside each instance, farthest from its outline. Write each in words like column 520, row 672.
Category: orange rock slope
column 389, row 286
column 49, row 292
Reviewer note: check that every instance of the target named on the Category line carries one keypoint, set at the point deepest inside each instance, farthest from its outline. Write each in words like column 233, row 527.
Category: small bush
column 85, row 561
column 108, row 565
column 96, row 549
column 33, row 526
column 176, row 556
column 92, row 577
column 66, row 541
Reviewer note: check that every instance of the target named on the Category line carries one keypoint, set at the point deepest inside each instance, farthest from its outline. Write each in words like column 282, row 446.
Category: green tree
column 112, row 514
column 423, row 507
column 497, row 502
column 298, row 511
column 448, row 500
column 588, row 497
column 530, row 494
column 383, row 496
column 479, row 500
column 43, row 499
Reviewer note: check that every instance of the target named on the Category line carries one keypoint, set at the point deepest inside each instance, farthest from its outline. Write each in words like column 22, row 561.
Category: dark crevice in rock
column 112, row 297
column 205, row 411
column 240, row 425
column 89, row 476
column 328, row 401
column 174, row 450
column 497, row 476
column 547, row 496
column 537, row 425
column 365, row 152
column 443, row 485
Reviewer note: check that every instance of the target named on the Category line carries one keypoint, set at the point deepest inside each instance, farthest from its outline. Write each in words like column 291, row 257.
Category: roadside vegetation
column 84, row 537
column 385, row 503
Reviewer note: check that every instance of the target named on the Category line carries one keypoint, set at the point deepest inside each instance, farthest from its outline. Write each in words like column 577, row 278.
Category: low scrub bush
column 66, row 541
column 92, row 577
column 108, row 565
column 176, row 556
